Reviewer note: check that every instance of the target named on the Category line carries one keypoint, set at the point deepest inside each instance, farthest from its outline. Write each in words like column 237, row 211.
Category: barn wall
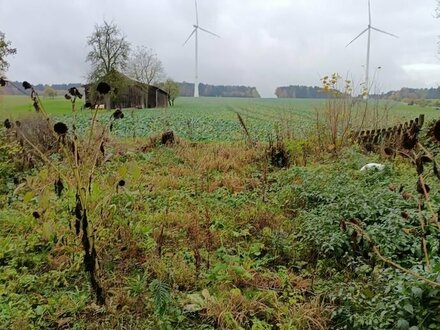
column 157, row 98
column 162, row 99
column 134, row 96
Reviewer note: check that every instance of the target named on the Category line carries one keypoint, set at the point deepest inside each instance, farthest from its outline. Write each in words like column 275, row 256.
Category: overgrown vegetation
column 261, row 233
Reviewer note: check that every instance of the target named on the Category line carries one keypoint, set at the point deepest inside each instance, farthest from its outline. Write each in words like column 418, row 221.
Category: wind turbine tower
column 195, row 33
column 368, row 29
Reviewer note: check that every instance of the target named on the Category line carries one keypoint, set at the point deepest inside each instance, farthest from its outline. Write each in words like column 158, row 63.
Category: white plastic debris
column 373, row 166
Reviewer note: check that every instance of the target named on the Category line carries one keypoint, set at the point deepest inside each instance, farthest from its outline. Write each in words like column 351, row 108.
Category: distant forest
column 300, row 92
column 308, row 92
column 187, row 89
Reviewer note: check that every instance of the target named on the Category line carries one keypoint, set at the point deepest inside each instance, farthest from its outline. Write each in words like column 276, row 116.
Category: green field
column 211, row 119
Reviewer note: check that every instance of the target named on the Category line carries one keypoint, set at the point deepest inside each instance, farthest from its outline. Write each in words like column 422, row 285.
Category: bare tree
column 109, row 52
column 145, row 66
column 5, row 50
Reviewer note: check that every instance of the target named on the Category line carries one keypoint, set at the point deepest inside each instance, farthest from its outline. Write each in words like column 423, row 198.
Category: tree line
column 412, row 94
column 303, row 92
column 41, row 87
column 187, row 89
column 404, row 94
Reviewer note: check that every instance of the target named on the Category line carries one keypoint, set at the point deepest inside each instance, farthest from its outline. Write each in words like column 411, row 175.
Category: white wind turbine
column 196, row 33
column 368, row 29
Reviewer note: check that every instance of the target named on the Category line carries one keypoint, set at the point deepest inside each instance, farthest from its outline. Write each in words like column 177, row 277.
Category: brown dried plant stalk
column 388, row 261
column 80, row 158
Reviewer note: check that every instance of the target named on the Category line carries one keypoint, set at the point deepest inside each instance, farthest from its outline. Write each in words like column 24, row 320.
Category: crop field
column 119, row 229
column 211, row 119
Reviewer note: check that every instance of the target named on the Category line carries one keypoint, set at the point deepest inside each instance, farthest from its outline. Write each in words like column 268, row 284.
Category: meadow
column 208, row 231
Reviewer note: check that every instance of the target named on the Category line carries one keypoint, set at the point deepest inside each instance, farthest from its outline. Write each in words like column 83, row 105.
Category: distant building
column 126, row 93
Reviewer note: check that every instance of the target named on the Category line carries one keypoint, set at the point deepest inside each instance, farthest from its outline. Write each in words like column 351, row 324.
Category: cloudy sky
column 264, row 43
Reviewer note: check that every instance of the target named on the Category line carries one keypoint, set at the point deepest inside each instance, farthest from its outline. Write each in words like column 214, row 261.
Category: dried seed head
column 36, row 215
column 118, row 114
column 60, row 128
column 409, row 142
column 7, row 124
column 121, row 183
column 103, row 88
column 26, row 85
column 18, row 123
column 75, row 92
column 67, row 96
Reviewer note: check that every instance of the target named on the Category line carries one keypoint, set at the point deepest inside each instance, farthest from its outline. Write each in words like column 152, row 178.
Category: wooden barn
column 157, row 98
column 126, row 93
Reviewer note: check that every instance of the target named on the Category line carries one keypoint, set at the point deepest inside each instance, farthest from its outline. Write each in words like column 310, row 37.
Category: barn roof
column 115, row 75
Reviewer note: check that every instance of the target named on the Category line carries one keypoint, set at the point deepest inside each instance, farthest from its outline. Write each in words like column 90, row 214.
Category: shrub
column 333, row 202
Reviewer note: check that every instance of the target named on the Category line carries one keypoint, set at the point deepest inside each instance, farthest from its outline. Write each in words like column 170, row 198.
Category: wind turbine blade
column 382, row 31
column 192, row 33
column 197, row 13
column 369, row 13
column 357, row 36
column 209, row 32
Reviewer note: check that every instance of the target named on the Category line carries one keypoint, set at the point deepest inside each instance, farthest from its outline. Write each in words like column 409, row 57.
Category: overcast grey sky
column 264, row 43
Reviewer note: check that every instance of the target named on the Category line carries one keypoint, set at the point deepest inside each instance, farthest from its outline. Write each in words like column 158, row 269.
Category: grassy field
column 16, row 106
column 212, row 119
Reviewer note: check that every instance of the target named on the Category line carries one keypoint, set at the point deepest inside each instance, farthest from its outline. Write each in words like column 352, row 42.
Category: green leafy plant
column 160, row 292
